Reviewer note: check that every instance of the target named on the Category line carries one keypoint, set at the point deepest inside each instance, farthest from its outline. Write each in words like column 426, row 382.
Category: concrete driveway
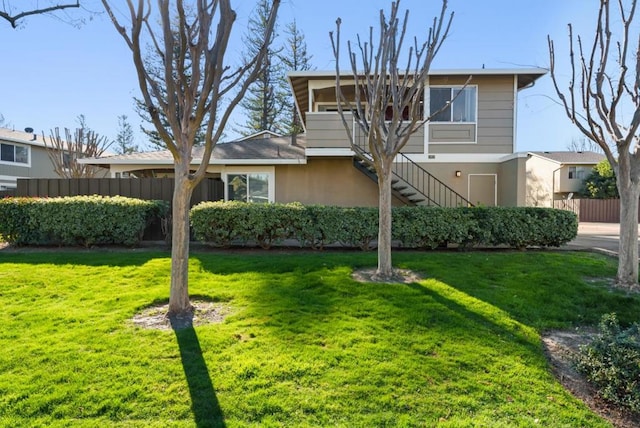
column 603, row 237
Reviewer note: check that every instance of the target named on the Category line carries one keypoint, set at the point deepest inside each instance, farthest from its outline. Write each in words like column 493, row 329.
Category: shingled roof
column 585, row 158
column 263, row 150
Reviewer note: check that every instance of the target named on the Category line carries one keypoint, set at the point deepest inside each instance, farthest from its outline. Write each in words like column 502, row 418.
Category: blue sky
column 52, row 72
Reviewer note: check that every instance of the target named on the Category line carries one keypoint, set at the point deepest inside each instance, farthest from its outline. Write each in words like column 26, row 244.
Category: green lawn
column 304, row 344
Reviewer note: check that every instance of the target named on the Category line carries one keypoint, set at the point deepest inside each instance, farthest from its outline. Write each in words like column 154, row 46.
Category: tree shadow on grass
column 204, row 402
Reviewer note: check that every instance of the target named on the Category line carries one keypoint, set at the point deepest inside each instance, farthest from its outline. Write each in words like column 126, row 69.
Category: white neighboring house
column 23, row 155
column 557, row 175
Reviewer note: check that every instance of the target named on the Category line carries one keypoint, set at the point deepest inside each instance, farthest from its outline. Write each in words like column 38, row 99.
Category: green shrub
column 358, row 227
column 612, row 362
column 430, row 227
column 226, row 223
column 315, row 226
column 78, row 220
column 521, row 227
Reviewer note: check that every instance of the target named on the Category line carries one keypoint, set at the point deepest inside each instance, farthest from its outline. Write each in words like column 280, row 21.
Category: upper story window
column 578, row 172
column 462, row 109
column 14, row 153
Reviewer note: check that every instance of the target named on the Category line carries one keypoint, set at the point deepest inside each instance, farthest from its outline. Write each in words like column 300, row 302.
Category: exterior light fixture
column 458, row 173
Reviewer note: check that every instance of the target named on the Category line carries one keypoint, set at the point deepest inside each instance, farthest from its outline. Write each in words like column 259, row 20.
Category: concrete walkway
column 604, row 237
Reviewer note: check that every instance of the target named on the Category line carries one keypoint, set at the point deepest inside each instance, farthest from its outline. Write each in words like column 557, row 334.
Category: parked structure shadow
column 204, row 402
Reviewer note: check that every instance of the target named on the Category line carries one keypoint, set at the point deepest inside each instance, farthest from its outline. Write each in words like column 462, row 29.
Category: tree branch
column 13, row 19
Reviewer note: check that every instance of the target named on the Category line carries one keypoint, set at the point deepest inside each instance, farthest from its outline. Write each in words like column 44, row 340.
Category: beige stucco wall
column 540, row 175
column 326, row 181
column 512, row 185
column 335, row 181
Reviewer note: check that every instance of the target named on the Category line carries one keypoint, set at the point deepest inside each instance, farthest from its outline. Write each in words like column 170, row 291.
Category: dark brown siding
column 593, row 210
column 141, row 188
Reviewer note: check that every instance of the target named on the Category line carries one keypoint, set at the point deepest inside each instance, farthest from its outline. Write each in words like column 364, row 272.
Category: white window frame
column 452, row 87
column 14, row 163
column 270, row 172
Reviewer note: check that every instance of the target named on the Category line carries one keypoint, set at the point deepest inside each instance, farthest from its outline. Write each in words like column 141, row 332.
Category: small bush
column 77, row 220
column 612, row 362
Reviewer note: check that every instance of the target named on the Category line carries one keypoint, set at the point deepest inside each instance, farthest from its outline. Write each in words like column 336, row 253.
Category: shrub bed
column 77, row 220
column 228, row 223
column 612, row 362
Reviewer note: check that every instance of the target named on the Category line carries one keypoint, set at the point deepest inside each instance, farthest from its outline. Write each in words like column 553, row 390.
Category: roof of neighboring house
column 29, row 138
column 258, row 151
column 261, row 134
column 32, row 139
column 567, row 157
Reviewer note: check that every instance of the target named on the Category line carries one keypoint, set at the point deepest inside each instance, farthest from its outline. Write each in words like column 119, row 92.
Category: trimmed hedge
column 228, row 223
column 77, row 220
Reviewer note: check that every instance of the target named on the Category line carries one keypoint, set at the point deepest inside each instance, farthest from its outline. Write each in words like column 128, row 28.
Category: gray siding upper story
column 40, row 165
column 326, row 130
column 493, row 131
column 495, row 121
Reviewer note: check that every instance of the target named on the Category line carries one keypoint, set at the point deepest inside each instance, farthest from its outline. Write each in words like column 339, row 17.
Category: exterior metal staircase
column 411, row 183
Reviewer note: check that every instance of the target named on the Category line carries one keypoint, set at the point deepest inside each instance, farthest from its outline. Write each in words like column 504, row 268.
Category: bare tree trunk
column 627, row 276
column 385, row 267
column 179, row 303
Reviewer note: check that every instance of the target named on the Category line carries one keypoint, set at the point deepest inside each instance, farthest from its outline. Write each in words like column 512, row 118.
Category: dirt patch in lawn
column 155, row 317
column 561, row 348
column 400, row 276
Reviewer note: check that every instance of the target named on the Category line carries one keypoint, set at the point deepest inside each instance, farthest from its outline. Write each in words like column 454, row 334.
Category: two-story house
column 557, row 175
column 465, row 154
column 25, row 155
column 22, row 155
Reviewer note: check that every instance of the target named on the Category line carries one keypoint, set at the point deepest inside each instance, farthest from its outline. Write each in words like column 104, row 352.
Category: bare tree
column 7, row 13
column 603, row 102
column 65, row 152
column 583, row 144
column 185, row 100
column 387, row 106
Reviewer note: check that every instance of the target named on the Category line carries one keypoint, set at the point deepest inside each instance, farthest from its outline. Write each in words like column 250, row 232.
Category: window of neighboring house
column 578, row 172
column 14, row 153
column 462, row 108
column 253, row 187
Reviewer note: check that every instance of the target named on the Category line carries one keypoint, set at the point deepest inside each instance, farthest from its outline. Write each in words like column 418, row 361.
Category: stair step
column 399, row 188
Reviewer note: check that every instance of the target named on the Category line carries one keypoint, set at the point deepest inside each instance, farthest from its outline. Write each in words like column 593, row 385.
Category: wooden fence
column 209, row 189
column 593, row 210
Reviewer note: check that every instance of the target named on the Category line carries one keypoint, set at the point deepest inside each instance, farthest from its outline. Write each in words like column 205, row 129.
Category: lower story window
column 252, row 187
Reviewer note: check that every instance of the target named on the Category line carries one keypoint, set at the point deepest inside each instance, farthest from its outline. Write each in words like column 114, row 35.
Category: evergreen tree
column 124, row 139
column 265, row 99
column 294, row 57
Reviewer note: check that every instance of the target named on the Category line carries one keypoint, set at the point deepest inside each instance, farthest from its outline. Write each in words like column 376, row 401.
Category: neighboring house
column 466, row 154
column 22, row 155
column 557, row 175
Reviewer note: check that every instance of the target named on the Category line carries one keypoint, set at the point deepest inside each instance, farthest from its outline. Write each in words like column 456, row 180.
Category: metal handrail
column 422, row 181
